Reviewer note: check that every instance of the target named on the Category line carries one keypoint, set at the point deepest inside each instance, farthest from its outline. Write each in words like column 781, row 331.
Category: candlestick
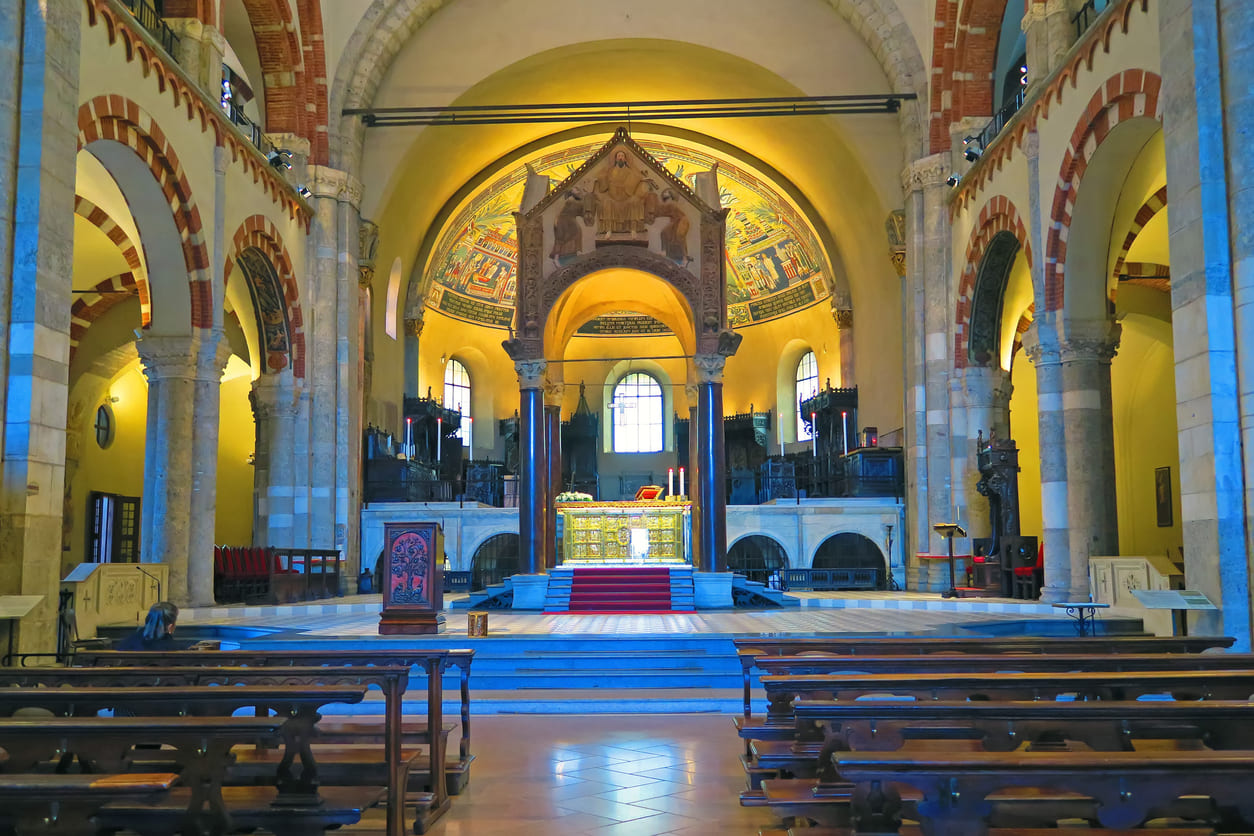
column 814, row 434
column 470, row 434
column 409, row 435
column 439, row 437
column 781, row 433
column 844, row 430
column 681, row 482
column 670, row 481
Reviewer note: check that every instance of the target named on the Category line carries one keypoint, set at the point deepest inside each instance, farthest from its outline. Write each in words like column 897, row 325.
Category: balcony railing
column 147, row 16
column 1088, row 13
column 250, row 128
column 999, row 120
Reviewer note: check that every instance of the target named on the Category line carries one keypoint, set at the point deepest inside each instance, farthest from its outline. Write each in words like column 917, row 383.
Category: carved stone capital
column 898, row 258
column 1092, row 342
column 693, row 392
column 365, row 276
column 926, row 172
column 212, row 356
column 709, row 367
column 1039, row 347
column 414, row 325
column 165, row 357
column 333, row 183
column 554, row 391
column 530, row 373
column 843, row 317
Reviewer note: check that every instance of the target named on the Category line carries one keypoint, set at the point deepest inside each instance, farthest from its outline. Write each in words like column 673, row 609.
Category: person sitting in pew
column 157, row 631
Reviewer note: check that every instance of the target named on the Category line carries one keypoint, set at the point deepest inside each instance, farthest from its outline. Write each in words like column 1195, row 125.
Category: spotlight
column 1023, row 76
column 973, row 148
column 304, row 192
column 952, row 180
column 279, row 159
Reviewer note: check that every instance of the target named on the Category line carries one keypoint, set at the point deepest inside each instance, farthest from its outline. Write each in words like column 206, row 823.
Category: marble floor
column 616, row 775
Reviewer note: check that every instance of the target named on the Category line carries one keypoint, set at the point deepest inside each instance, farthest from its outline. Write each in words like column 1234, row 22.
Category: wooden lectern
column 949, row 531
column 412, row 579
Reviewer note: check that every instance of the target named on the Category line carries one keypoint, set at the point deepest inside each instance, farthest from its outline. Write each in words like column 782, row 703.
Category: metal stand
column 948, row 531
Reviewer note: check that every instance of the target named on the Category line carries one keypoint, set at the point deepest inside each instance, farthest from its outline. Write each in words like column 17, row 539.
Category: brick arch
column 257, row 232
column 1124, row 96
column 121, row 120
column 964, row 52
column 100, row 219
column 89, row 307
column 1156, row 203
column 998, row 215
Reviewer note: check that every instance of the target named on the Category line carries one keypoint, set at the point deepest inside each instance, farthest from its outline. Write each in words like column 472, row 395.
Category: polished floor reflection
column 616, row 775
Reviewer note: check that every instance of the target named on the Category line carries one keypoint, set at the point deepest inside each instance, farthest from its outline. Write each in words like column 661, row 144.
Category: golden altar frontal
column 637, row 533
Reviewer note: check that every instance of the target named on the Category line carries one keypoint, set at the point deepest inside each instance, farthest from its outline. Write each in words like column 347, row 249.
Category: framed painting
column 1162, row 496
column 412, row 578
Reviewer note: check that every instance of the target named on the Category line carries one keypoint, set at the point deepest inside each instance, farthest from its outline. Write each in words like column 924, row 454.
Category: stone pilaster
column 170, row 365
column 199, row 52
column 1203, row 86
column 274, row 403
column 336, row 375
column 39, row 50
column 1040, row 345
column 844, row 329
column 986, row 394
column 413, row 332
column 928, row 361
column 1050, row 32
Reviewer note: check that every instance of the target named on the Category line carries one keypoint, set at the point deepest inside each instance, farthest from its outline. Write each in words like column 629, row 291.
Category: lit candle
column 844, row 430
column 781, row 433
column 409, row 435
column 681, row 482
column 439, row 436
column 470, row 435
column 814, row 434
column 670, row 481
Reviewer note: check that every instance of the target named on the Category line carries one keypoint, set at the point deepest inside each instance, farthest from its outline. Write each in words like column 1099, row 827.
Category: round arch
column 258, row 248
column 494, row 560
column 757, row 557
column 997, row 239
column 854, row 554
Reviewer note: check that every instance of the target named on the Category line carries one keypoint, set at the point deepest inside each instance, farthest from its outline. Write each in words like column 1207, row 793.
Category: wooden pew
column 432, row 661
column 1128, row 788
column 202, row 747
column 64, row 803
column 391, row 680
column 751, row 649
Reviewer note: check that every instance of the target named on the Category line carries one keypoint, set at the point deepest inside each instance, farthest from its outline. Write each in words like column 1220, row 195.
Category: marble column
column 710, row 466
column 1085, row 352
column 928, row 319
column 413, row 332
column 39, row 56
column 553, row 393
column 844, row 330
column 211, row 357
column 532, row 468
column 301, row 464
column 274, row 405
column 986, row 394
column 170, row 365
column 961, row 462
column 1205, row 99
column 1041, row 346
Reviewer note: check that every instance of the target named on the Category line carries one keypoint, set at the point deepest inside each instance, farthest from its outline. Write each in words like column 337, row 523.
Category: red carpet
column 621, row 589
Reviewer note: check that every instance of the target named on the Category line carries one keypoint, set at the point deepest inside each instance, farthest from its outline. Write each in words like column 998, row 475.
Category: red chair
column 1030, row 578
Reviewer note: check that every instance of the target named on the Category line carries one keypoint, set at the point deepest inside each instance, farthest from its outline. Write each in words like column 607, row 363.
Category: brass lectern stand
column 949, row 531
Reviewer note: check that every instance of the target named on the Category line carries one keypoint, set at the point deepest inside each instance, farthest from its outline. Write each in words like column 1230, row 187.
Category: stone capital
column 166, row 357
column 365, row 276
column 274, row 395
column 843, row 317
column 554, row 391
column 213, row 353
column 925, row 173
column 413, row 326
column 325, row 181
column 693, row 391
column 530, row 373
column 709, row 367
column 1090, row 341
column 981, row 384
column 1040, row 345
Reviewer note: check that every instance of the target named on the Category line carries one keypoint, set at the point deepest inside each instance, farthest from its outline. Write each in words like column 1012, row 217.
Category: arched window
column 457, row 396
column 807, row 387
column 637, row 407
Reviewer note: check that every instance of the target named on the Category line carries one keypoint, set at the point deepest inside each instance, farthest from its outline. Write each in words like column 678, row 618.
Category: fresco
column 774, row 262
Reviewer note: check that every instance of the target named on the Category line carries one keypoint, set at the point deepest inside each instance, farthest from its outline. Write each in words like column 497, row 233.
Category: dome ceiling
column 775, row 264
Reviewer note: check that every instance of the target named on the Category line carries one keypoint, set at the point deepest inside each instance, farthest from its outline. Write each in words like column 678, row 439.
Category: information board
column 1172, row 599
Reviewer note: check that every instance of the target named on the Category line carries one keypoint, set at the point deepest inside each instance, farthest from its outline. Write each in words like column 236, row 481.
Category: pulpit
column 412, row 579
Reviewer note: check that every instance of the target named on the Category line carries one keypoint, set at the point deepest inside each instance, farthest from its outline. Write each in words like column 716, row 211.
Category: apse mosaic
column 774, row 262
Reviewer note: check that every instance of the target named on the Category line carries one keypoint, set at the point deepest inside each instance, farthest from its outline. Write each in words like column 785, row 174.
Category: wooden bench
column 1128, row 788
column 433, row 662
column 67, row 802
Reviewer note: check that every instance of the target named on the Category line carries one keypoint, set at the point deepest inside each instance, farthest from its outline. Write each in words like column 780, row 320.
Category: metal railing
column 999, row 120
column 250, row 128
column 146, row 14
column 1088, row 13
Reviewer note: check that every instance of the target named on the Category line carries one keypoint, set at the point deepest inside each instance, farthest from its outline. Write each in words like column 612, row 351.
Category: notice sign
column 1173, row 599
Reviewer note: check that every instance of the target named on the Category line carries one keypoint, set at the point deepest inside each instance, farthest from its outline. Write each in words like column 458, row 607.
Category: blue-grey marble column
column 711, row 466
column 553, row 470
column 212, row 355
column 532, row 466
column 1040, row 344
column 274, row 410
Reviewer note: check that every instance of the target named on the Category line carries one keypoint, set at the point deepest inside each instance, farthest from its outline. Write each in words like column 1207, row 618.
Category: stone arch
column 133, row 279
column 489, row 562
column 258, row 234
column 964, row 51
column 773, row 556
column 89, row 307
column 1156, row 203
column 852, row 552
column 293, row 61
column 998, row 227
column 121, row 120
column 1124, row 96
column 387, row 25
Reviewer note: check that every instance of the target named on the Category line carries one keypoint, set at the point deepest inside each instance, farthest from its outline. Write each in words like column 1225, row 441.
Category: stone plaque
column 412, row 580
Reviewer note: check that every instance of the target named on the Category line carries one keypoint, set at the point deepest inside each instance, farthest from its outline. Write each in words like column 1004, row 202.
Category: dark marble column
column 711, row 475
column 553, row 473
column 532, row 467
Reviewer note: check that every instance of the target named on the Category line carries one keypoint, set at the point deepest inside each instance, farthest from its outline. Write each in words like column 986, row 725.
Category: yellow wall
column 233, row 522
column 1025, row 430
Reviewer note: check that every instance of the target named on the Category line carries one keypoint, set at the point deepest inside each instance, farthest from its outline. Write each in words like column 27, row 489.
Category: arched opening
column 494, row 561
column 991, row 282
column 757, row 557
column 805, row 385
column 637, row 425
column 457, row 396
column 856, row 562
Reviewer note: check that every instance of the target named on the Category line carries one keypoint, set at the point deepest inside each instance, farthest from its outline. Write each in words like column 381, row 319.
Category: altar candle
column 781, row 433
column 844, row 430
column 670, row 481
column 439, row 436
column 470, row 433
column 814, row 434
column 681, row 482
column 409, row 435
